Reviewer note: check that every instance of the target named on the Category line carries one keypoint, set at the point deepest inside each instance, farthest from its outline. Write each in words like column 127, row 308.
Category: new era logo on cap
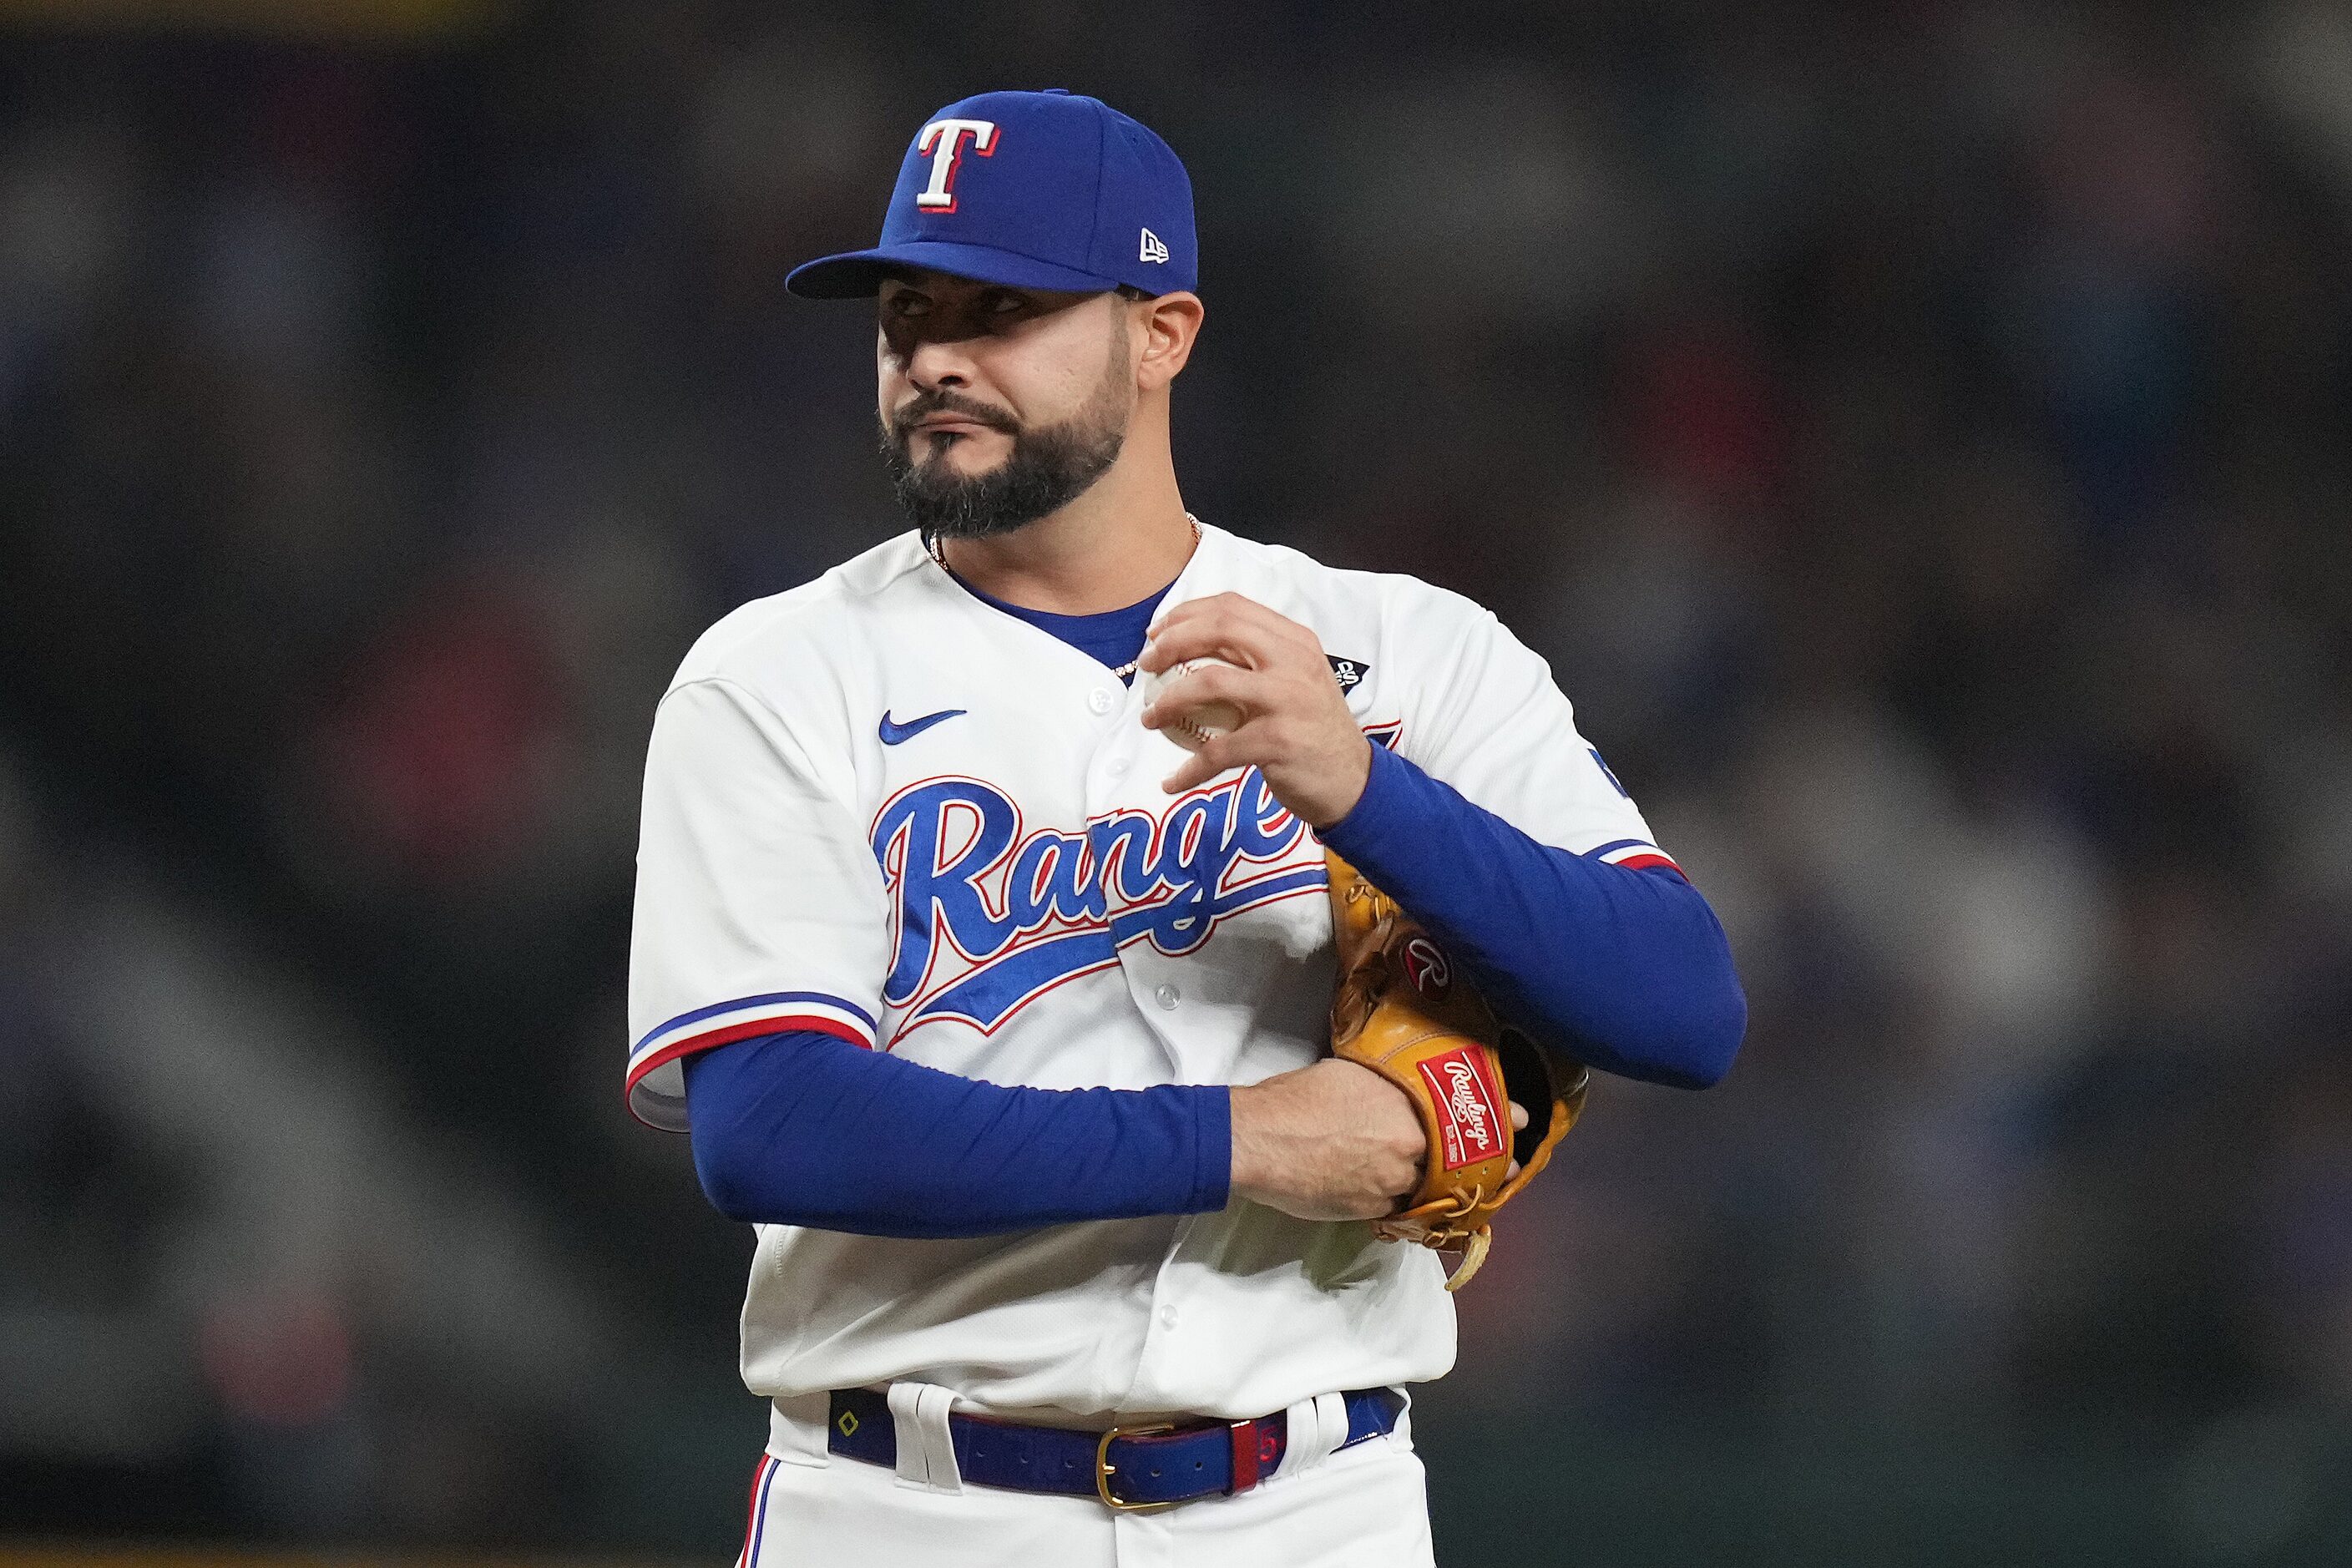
column 1033, row 190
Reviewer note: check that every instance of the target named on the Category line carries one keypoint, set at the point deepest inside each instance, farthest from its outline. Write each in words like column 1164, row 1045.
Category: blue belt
column 1127, row 1467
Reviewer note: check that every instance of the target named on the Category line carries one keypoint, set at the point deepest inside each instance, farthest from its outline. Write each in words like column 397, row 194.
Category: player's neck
column 1121, row 541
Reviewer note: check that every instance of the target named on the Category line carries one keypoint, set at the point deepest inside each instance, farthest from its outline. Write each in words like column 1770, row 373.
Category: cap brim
column 858, row 274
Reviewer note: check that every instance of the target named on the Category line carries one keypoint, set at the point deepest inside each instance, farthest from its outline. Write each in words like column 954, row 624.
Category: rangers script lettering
column 1013, row 916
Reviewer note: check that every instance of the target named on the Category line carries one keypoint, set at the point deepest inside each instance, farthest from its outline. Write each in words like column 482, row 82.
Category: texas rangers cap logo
column 944, row 142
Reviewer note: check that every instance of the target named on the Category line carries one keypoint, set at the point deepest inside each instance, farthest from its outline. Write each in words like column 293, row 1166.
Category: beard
column 1046, row 469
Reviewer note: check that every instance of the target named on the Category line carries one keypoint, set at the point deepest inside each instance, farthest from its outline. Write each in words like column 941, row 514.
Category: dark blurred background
column 1918, row 436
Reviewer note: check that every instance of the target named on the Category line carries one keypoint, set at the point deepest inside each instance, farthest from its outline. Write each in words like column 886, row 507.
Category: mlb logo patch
column 1470, row 1122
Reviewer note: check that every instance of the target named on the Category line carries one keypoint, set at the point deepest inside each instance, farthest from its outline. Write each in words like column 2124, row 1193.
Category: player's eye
column 999, row 303
column 906, row 304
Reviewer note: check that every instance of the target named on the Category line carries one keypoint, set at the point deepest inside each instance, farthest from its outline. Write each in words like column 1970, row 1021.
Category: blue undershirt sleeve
column 804, row 1128
column 1628, row 971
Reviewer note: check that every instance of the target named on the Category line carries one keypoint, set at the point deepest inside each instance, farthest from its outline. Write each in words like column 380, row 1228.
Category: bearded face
column 1047, row 468
column 935, row 444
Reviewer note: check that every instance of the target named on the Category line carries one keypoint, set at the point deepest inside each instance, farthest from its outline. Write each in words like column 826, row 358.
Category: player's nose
column 933, row 363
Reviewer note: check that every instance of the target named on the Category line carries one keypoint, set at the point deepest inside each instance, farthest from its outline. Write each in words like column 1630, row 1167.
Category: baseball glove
column 1401, row 1011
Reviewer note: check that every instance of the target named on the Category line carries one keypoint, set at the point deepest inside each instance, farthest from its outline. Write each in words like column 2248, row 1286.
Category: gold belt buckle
column 1105, row 1469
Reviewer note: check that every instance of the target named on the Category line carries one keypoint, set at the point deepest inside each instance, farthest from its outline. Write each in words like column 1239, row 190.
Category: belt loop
column 1317, row 1426
column 933, row 1408
column 796, row 1429
column 1330, row 1424
column 1253, row 1444
column 918, row 1411
column 1242, row 1434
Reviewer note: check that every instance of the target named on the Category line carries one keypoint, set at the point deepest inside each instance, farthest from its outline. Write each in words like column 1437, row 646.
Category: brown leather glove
column 1401, row 1011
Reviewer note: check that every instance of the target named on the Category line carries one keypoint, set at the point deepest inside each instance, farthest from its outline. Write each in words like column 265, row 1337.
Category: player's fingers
column 1234, row 605
column 1193, row 613
column 1268, row 620
column 1261, row 738
column 1247, row 690
column 1212, row 635
column 1202, row 766
column 1280, row 630
column 1519, row 1116
column 1232, row 627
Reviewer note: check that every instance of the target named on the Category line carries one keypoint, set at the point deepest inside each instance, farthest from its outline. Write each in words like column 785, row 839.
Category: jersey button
column 1116, row 768
column 1100, row 700
column 1168, row 996
column 1167, row 1317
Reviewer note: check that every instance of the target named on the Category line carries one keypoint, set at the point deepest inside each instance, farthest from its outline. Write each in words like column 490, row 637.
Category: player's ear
column 1169, row 322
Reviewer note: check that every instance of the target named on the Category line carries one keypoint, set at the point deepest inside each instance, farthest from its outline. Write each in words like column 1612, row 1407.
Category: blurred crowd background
column 1918, row 436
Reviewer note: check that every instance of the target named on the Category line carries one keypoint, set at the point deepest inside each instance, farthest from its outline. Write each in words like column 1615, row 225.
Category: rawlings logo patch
column 1470, row 1117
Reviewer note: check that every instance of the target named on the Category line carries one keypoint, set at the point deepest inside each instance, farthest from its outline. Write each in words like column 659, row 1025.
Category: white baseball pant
column 1364, row 1506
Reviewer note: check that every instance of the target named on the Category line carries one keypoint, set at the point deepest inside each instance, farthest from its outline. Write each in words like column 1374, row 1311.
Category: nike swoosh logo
column 892, row 734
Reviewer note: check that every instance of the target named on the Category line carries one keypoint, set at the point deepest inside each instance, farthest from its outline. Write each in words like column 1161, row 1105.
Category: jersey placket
column 1119, row 794
column 1123, row 781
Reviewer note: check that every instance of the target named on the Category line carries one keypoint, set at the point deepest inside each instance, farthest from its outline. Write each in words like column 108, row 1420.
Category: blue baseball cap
column 1033, row 190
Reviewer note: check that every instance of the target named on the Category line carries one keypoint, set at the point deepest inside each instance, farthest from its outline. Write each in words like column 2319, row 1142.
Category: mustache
column 923, row 404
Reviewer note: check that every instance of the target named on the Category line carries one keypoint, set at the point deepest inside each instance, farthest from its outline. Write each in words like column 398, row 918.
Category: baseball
column 1203, row 723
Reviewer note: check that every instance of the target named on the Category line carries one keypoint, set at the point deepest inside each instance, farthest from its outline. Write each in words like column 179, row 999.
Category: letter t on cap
column 944, row 140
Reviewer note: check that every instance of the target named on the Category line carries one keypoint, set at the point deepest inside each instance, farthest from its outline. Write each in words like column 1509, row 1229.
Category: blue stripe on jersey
column 773, row 999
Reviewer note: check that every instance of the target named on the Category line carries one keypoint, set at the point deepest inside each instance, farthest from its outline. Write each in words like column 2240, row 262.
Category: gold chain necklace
column 939, row 557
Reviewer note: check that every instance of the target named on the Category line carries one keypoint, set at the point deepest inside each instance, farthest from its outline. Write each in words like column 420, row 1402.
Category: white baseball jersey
column 877, row 806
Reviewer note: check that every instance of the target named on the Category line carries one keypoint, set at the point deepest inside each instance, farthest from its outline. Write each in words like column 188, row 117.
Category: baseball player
column 984, row 939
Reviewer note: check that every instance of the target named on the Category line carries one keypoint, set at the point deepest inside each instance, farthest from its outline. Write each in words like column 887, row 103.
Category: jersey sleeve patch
column 656, row 1089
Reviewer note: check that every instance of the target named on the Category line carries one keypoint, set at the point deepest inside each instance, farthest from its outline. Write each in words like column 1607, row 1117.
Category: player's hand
column 1334, row 1140
column 1296, row 728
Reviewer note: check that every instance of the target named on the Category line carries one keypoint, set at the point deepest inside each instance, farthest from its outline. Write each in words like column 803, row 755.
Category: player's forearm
column 804, row 1129
column 1331, row 1141
column 1627, row 969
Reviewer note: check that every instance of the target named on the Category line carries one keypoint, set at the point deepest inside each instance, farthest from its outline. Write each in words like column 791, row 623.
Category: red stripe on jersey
column 1636, row 862
column 748, row 1029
